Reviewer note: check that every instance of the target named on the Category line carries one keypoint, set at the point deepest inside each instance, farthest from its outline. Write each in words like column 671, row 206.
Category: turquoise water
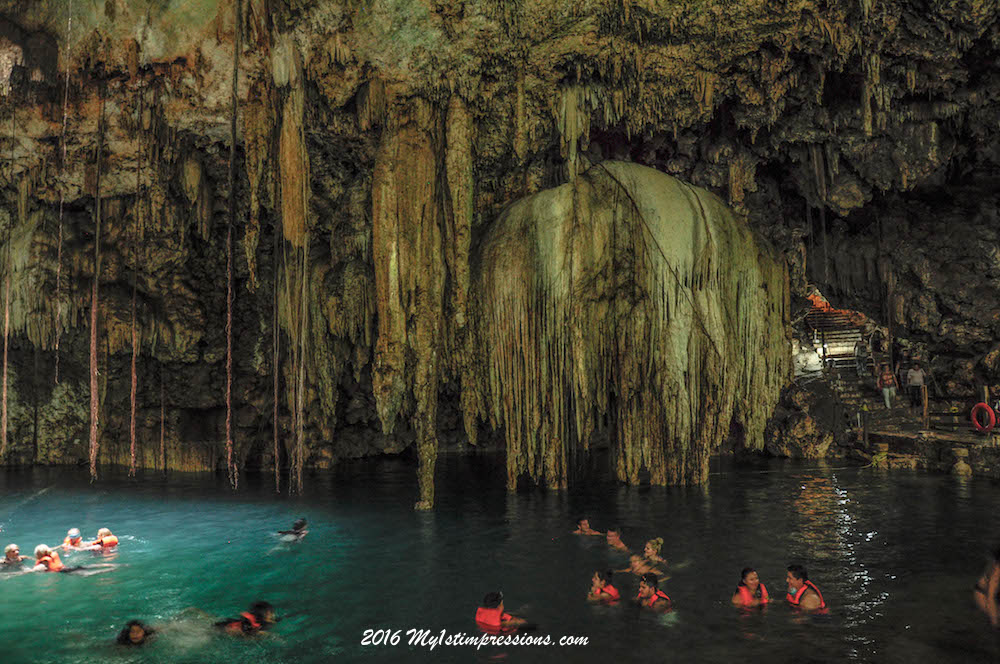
column 895, row 554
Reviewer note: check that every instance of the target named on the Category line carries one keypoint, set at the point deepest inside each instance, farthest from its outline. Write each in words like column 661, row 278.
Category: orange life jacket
column 69, row 542
column 51, row 562
column 658, row 595
column 795, row 599
column 746, row 598
column 107, row 542
column 247, row 623
column 611, row 592
column 491, row 620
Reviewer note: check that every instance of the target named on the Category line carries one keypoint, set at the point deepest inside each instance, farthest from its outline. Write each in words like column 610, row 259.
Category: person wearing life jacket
column 257, row 619
column 750, row 592
column 650, row 596
column 803, row 593
column 987, row 591
column 105, row 540
column 135, row 633
column 601, row 589
column 583, row 528
column 73, row 540
column 12, row 557
column 47, row 560
column 490, row 617
column 614, row 539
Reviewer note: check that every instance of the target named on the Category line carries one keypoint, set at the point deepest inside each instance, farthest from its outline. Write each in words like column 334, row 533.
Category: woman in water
column 987, row 590
column 135, row 633
column 650, row 560
column 750, row 592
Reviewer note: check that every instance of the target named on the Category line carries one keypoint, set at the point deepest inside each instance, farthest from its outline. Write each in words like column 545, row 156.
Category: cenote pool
column 896, row 555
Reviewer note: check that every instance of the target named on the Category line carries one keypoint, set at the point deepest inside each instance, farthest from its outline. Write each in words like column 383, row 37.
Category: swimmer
column 649, row 562
column 803, row 593
column 750, row 592
column 987, row 591
column 135, row 633
column 583, row 528
column 47, row 560
column 105, row 540
column 601, row 589
column 12, row 557
column 73, row 540
column 491, row 618
column 257, row 619
column 297, row 533
column 650, row 596
column 614, row 539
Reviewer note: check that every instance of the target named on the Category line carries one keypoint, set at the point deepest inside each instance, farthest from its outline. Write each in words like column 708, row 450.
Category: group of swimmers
column 256, row 619
column 47, row 558
column 650, row 567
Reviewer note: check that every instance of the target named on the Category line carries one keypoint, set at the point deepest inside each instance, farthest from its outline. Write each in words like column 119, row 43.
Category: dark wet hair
column 123, row 636
column 299, row 525
column 492, row 600
column 615, row 529
column 582, row 518
column 605, row 575
column 743, row 574
column 259, row 608
column 799, row 572
column 650, row 580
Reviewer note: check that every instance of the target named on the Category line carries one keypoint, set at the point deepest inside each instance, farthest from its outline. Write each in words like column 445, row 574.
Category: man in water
column 802, row 592
column 73, row 540
column 650, row 596
column 12, row 557
column 583, row 528
column 490, row 616
column 47, row 560
column 601, row 589
column 297, row 533
column 258, row 619
column 105, row 540
column 614, row 539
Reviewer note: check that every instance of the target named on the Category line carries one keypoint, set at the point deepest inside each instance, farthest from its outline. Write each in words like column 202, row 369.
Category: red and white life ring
column 991, row 417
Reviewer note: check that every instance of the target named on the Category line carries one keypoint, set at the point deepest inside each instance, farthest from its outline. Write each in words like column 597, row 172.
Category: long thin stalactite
column 6, row 300
column 230, row 463
column 275, row 364
column 62, row 188
column 163, row 427
column 137, row 223
column 94, row 301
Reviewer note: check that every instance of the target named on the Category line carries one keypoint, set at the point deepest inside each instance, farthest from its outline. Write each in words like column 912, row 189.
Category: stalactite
column 94, row 301
column 301, row 380
column 62, row 188
column 230, row 463
column 275, row 364
column 163, row 427
column 6, row 299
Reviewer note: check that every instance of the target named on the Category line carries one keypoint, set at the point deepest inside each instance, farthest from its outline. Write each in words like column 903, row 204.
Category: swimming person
column 601, row 589
column 12, row 557
column 750, row 592
column 105, row 540
column 257, row 619
column 614, row 539
column 491, row 618
column 987, row 591
column 73, row 540
column 135, row 633
column 803, row 593
column 650, row 596
column 297, row 533
column 583, row 528
column 650, row 561
column 47, row 560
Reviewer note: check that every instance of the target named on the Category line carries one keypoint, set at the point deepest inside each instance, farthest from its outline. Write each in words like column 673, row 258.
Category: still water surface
column 895, row 554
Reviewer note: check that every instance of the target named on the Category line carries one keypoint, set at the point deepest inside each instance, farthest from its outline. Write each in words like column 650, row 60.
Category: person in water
column 47, row 560
column 803, row 593
column 12, row 556
column 650, row 596
column 257, row 619
column 987, row 590
column 297, row 533
column 73, row 540
column 105, row 540
column 583, row 528
column 650, row 560
column 614, row 539
column 750, row 592
column 601, row 589
column 490, row 617
column 134, row 633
